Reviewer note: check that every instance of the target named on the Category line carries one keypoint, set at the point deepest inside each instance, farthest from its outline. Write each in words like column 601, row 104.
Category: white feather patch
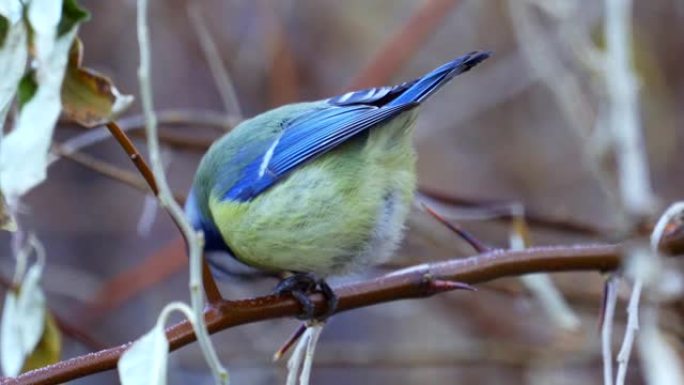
column 267, row 157
column 345, row 97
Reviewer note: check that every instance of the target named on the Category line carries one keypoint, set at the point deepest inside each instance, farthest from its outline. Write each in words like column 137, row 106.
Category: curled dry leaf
column 89, row 98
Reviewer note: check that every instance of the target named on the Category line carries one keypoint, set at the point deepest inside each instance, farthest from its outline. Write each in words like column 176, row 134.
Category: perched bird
column 316, row 188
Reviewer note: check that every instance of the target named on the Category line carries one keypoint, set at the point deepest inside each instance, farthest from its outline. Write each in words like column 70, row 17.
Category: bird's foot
column 300, row 286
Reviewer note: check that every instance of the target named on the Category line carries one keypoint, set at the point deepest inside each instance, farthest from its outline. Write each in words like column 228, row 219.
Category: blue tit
column 319, row 188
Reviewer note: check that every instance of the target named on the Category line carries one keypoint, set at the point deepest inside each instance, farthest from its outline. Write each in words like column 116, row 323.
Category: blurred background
column 518, row 128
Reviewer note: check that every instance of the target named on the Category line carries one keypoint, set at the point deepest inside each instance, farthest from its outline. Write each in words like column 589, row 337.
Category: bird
column 315, row 189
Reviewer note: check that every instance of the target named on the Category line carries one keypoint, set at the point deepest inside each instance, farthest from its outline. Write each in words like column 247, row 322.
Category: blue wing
column 306, row 137
column 319, row 131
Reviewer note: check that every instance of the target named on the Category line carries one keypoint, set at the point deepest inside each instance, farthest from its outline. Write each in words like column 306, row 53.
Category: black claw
column 330, row 297
column 300, row 286
column 307, row 306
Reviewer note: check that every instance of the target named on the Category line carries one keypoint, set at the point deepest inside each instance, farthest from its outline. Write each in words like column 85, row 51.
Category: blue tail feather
column 431, row 82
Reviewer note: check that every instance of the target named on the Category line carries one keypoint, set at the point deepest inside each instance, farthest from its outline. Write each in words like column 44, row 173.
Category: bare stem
column 635, row 185
column 607, row 321
column 402, row 284
column 630, row 333
column 218, row 69
column 193, row 239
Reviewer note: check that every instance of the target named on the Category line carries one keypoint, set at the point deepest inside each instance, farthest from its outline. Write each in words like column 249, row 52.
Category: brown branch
column 210, row 289
column 413, row 282
column 168, row 261
column 134, row 155
column 403, row 44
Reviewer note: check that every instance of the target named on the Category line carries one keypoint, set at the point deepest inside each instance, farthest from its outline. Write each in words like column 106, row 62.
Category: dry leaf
column 23, row 156
column 88, row 97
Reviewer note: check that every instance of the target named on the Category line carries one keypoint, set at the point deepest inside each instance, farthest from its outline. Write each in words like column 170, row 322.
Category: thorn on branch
column 436, row 286
column 294, row 337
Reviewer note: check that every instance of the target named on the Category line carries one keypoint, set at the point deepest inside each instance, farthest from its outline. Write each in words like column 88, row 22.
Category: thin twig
column 294, row 337
column 224, row 83
column 671, row 244
column 283, row 73
column 103, row 168
column 109, row 170
column 558, row 224
column 134, row 155
column 630, row 333
column 565, row 86
column 635, row 184
column 182, row 117
column 193, row 239
column 607, row 320
column 636, row 192
column 660, row 360
column 403, row 284
column 475, row 243
column 210, row 287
